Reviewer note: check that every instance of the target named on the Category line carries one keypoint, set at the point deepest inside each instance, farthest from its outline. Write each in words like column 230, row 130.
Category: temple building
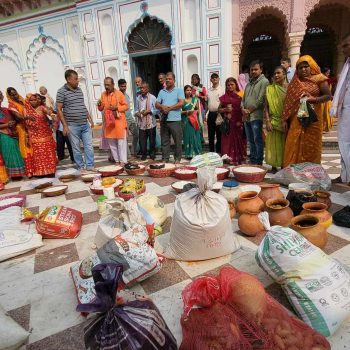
column 40, row 39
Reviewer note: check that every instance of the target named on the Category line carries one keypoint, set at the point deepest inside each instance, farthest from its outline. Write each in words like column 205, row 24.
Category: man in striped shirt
column 76, row 120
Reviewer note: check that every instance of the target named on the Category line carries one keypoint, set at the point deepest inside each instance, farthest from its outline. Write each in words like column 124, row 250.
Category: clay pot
column 250, row 224
column 232, row 210
column 249, row 202
column 279, row 212
column 320, row 211
column 310, row 227
column 270, row 191
column 323, row 197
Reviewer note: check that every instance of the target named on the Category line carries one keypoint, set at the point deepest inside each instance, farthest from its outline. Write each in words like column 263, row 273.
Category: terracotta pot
column 279, row 212
column 310, row 227
column 232, row 210
column 250, row 224
column 319, row 210
column 270, row 191
column 323, row 197
column 249, row 202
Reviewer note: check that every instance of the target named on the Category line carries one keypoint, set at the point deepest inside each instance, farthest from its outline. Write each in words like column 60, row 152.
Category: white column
column 295, row 40
column 236, row 51
column 28, row 81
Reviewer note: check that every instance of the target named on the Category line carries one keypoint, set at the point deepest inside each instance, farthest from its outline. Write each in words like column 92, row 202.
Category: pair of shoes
column 91, row 170
column 83, row 171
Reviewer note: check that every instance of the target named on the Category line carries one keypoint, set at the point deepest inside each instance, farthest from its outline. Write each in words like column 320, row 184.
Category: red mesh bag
column 208, row 324
column 247, row 296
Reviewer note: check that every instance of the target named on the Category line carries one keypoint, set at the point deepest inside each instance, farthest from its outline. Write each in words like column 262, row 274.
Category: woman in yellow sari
column 326, row 107
column 16, row 106
column 304, row 144
column 275, row 96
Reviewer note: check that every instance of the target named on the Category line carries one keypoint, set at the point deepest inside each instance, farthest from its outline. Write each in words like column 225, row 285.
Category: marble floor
column 37, row 290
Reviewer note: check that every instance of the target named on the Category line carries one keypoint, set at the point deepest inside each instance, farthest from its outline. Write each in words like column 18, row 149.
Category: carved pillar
column 28, row 81
column 295, row 40
column 236, row 51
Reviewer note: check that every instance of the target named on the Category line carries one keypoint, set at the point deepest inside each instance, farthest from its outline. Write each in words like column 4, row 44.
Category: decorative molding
column 141, row 20
column 41, row 44
column 8, row 53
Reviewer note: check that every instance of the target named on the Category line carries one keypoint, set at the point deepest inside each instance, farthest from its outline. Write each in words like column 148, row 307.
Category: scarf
column 16, row 106
column 339, row 94
column 241, row 81
column 275, row 95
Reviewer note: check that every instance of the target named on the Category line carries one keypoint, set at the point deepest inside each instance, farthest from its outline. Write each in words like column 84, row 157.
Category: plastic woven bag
column 309, row 173
column 317, row 286
column 342, row 217
column 132, row 325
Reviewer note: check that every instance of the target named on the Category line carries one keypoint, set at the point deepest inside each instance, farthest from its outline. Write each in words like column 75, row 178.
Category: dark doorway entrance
column 267, row 49
column 149, row 66
column 319, row 43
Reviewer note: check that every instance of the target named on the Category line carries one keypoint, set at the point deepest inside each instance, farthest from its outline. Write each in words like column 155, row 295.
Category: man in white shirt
column 286, row 64
column 146, row 112
column 213, row 95
column 341, row 108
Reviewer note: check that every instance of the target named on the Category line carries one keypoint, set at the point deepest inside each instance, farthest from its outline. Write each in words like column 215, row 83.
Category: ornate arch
column 249, row 12
column 147, row 33
column 8, row 53
column 313, row 5
column 41, row 44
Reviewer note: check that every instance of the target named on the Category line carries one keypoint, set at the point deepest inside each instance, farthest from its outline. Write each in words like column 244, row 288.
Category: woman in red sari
column 233, row 142
column 40, row 135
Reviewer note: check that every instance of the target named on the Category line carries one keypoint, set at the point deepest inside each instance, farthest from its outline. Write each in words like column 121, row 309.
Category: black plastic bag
column 133, row 325
column 342, row 217
column 298, row 198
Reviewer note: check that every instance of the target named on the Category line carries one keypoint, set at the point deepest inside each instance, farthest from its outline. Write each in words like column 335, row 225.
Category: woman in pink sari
column 233, row 142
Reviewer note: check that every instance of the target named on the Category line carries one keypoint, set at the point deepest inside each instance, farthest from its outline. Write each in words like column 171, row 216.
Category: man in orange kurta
column 113, row 106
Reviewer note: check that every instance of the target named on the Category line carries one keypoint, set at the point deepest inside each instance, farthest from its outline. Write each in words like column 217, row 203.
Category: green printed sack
column 317, row 286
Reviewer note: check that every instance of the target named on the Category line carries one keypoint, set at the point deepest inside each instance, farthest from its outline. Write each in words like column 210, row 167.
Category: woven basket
column 100, row 190
column 67, row 178
column 88, row 177
column 48, row 192
column 181, row 176
column 105, row 173
column 19, row 202
column 134, row 172
column 127, row 196
column 164, row 172
column 223, row 175
column 249, row 177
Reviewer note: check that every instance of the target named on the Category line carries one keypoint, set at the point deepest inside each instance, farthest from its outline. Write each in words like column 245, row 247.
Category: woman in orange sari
column 304, row 144
column 40, row 135
column 16, row 106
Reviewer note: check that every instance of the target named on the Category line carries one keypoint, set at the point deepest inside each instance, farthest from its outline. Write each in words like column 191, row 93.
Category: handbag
column 219, row 119
column 225, row 127
column 306, row 113
column 192, row 118
column 342, row 217
column 109, row 118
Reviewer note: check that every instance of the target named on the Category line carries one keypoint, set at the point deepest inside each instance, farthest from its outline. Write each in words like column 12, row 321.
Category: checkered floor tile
column 38, row 292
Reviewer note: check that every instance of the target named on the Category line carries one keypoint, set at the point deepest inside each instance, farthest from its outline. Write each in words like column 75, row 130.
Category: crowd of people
column 252, row 110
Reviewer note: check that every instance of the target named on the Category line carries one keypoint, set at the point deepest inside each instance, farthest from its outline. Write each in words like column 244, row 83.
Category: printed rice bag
column 317, row 286
column 312, row 174
column 129, row 249
column 59, row 222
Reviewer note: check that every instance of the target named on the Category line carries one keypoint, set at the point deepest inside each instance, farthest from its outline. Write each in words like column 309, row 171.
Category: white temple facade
column 116, row 38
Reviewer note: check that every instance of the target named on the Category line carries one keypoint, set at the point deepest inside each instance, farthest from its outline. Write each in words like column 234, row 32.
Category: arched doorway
column 326, row 25
column 264, row 38
column 149, row 47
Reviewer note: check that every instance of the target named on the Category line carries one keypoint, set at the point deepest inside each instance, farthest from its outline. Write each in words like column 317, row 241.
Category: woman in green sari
column 191, row 124
column 275, row 95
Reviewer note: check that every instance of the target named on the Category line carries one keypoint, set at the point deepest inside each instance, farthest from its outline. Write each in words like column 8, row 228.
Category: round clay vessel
column 270, row 191
column 319, row 210
column 310, row 227
column 249, row 202
column 323, row 197
column 279, row 212
column 250, row 224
